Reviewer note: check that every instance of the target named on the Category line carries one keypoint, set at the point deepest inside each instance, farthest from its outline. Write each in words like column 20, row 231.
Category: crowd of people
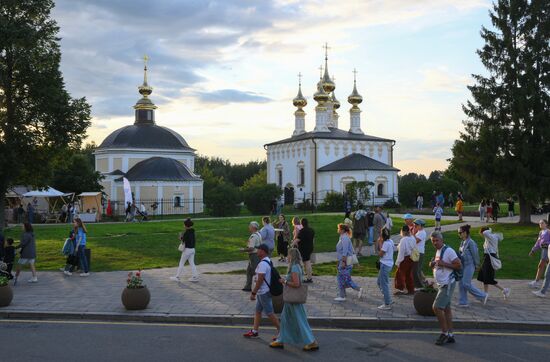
column 293, row 242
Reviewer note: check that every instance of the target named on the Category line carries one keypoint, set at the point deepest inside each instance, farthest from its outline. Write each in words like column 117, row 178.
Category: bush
column 304, row 206
column 258, row 195
column 223, row 200
column 334, row 201
column 391, row 204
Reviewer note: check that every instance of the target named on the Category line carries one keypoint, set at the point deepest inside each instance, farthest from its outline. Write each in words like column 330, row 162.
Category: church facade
column 157, row 161
column 309, row 164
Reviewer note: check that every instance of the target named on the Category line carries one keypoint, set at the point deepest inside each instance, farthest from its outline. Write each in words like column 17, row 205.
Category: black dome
column 160, row 169
column 145, row 136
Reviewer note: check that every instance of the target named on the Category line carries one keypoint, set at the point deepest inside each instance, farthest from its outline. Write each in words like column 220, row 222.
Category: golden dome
column 321, row 96
column 328, row 84
column 355, row 98
column 335, row 102
column 300, row 101
column 145, row 90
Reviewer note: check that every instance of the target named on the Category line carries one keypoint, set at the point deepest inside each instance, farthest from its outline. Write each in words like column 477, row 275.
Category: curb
column 239, row 320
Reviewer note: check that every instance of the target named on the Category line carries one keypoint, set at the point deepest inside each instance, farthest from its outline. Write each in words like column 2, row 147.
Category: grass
column 514, row 250
column 131, row 246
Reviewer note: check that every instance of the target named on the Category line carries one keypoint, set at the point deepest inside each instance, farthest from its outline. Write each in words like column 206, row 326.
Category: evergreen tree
column 506, row 141
column 38, row 118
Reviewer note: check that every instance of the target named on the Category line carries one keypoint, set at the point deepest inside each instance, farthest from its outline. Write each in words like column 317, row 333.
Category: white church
column 309, row 164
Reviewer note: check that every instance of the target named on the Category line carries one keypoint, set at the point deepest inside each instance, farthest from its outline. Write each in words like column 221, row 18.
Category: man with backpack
column 267, row 282
column 447, row 270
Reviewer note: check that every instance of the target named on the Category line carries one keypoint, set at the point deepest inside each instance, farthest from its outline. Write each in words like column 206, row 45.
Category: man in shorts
column 260, row 293
column 444, row 264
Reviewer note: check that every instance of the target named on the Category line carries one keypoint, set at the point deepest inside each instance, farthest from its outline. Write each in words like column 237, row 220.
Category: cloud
column 440, row 79
column 231, row 96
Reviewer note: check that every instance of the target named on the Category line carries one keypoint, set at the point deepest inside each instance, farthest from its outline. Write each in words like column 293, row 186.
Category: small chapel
column 157, row 161
column 309, row 164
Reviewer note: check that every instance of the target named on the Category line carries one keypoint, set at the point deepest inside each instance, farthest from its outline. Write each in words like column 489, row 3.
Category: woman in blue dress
column 295, row 328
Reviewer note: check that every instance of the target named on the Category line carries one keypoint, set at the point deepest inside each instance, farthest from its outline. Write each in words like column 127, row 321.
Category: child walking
column 438, row 211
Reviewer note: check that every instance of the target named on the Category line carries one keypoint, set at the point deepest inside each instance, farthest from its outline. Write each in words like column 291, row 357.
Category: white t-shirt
column 442, row 275
column 263, row 268
column 406, row 245
column 387, row 248
column 421, row 245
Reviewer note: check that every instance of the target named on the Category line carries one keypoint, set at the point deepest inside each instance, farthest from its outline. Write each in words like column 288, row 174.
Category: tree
column 38, row 118
column 504, row 146
column 258, row 195
column 77, row 175
column 223, row 200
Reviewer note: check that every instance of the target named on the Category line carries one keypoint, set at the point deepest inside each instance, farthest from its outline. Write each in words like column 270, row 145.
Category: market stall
column 90, row 203
column 54, row 198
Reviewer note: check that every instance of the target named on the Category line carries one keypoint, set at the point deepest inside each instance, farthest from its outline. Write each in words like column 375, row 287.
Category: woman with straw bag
column 295, row 328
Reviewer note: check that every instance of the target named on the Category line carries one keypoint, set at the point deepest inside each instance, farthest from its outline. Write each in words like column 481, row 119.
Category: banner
column 127, row 192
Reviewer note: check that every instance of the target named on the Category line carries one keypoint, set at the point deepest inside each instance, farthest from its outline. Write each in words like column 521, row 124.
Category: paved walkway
column 220, row 296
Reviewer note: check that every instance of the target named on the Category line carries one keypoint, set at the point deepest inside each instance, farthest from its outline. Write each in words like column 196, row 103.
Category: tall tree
column 506, row 140
column 38, row 118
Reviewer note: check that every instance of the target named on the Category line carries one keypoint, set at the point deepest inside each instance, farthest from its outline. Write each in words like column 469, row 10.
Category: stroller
column 141, row 215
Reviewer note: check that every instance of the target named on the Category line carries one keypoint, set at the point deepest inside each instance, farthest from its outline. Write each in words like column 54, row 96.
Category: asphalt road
column 106, row 341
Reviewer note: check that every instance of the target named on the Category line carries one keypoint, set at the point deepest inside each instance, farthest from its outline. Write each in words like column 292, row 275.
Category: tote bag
column 495, row 262
column 295, row 295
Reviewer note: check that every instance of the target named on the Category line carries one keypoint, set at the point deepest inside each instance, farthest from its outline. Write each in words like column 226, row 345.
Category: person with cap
column 261, row 294
column 409, row 221
column 252, row 245
column 188, row 253
column 420, row 237
column 403, row 276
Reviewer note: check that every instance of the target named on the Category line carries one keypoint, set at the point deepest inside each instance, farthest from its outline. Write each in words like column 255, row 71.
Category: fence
column 159, row 207
column 312, row 201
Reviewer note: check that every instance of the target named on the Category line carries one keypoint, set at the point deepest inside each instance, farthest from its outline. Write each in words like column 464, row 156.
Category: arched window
column 380, row 190
column 177, row 201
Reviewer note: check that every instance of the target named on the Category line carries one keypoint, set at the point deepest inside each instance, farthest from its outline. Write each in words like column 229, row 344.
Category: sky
column 224, row 72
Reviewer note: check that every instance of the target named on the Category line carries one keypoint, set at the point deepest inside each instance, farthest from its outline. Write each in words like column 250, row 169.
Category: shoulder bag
column 352, row 259
column 295, row 295
column 495, row 262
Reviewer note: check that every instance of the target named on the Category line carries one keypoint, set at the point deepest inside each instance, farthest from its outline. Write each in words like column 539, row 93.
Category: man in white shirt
column 446, row 261
column 420, row 237
column 260, row 293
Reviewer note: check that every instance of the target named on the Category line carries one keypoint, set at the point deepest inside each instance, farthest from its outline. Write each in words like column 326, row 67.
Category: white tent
column 52, row 215
column 48, row 192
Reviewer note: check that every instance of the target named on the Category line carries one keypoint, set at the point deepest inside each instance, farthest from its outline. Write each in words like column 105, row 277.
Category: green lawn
column 514, row 250
column 154, row 245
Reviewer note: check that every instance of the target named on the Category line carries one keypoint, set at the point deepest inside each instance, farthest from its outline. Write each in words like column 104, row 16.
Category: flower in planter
column 134, row 280
column 3, row 281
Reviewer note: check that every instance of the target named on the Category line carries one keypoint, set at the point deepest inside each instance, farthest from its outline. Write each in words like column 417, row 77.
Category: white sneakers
column 534, row 284
column 506, row 293
column 384, row 307
column 66, row 272
column 539, row 294
column 360, row 293
column 176, row 279
column 339, row 299
column 84, row 274
column 194, row 279
column 485, row 299
column 33, row 280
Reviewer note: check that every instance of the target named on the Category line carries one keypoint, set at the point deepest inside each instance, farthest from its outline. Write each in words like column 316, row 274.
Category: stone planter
column 135, row 299
column 423, row 302
column 278, row 303
column 6, row 295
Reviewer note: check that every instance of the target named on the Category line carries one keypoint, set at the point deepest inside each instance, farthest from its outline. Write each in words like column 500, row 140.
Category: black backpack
column 457, row 273
column 275, row 286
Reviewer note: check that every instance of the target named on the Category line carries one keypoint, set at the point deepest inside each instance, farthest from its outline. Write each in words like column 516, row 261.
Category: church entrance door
column 289, row 195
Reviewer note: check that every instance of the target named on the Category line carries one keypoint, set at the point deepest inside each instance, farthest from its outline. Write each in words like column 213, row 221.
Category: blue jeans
column 546, row 284
column 82, row 258
column 466, row 286
column 384, row 282
column 371, row 235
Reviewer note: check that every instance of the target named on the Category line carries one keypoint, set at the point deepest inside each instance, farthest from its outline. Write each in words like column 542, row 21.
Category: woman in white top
column 487, row 272
column 420, row 236
column 386, row 265
column 403, row 276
